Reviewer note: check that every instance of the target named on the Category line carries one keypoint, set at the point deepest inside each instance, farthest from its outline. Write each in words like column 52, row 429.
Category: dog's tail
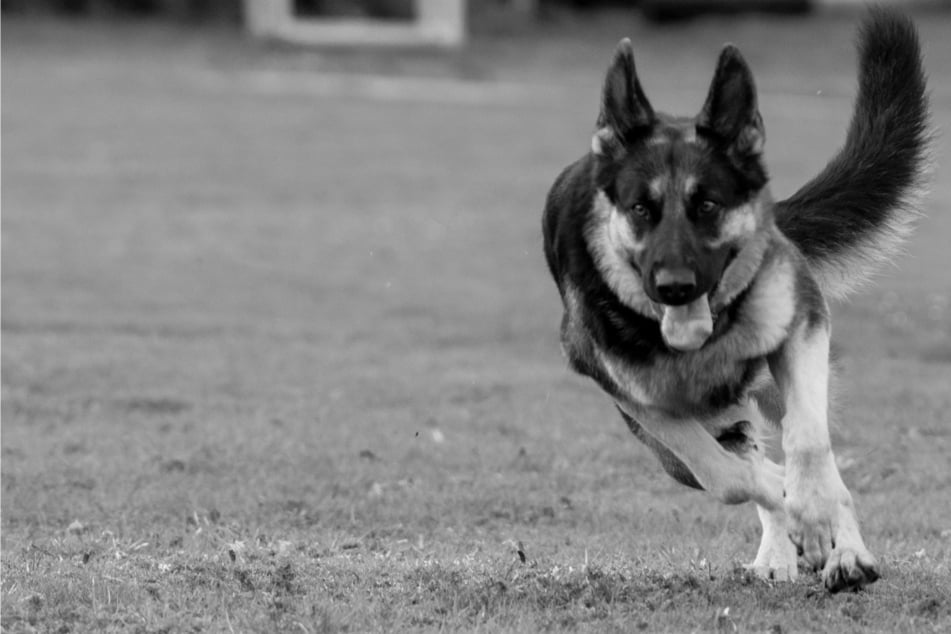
column 857, row 211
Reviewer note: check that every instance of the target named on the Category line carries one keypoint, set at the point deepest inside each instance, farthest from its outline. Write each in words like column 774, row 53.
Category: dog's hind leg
column 776, row 558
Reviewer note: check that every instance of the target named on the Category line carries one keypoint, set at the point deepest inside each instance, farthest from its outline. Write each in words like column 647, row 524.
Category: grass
column 283, row 361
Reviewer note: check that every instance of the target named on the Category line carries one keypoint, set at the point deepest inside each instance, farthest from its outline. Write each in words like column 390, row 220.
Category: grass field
column 280, row 353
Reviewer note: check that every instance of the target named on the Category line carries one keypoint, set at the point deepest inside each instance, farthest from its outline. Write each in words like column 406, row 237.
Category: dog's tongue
column 687, row 327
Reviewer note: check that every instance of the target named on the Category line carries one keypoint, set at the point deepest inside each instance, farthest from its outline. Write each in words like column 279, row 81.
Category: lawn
column 280, row 348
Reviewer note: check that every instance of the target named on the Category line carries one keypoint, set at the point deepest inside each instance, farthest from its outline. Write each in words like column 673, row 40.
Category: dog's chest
column 688, row 382
column 629, row 359
column 702, row 381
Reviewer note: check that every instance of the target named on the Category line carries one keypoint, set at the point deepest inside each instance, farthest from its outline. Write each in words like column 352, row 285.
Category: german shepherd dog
column 698, row 303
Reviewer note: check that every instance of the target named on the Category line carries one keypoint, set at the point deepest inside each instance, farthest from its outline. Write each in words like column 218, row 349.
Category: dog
column 699, row 304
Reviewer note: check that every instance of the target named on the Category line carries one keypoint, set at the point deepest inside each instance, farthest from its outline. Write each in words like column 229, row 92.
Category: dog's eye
column 708, row 208
column 641, row 211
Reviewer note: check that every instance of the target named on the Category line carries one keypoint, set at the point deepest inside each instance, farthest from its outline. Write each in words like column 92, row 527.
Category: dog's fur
column 671, row 211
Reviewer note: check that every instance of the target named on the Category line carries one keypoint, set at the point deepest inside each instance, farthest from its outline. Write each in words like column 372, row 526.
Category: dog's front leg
column 731, row 477
column 819, row 510
column 732, row 472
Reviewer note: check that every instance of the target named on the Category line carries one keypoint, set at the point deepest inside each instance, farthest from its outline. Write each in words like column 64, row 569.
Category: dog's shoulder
column 567, row 206
column 594, row 315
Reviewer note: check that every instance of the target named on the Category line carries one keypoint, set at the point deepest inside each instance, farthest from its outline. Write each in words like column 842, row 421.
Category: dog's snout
column 675, row 286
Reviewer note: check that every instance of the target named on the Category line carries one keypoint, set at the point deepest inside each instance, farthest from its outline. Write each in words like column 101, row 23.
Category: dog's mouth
column 687, row 327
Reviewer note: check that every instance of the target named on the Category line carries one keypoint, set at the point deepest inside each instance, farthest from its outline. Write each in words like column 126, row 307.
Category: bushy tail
column 857, row 211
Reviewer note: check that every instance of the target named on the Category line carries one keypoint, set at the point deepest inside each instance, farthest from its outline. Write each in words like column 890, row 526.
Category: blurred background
column 275, row 268
column 330, row 210
column 272, row 273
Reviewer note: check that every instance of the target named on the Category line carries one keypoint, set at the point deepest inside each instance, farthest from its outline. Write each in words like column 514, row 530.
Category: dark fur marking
column 735, row 439
column 624, row 107
column 809, row 296
column 729, row 393
column 885, row 152
column 730, row 119
column 674, row 467
column 728, row 316
column 738, row 439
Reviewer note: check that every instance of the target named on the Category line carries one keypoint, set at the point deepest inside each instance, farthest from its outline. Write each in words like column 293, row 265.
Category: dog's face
column 683, row 193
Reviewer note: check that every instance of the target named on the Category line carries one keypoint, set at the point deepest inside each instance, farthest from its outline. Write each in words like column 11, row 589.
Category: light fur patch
column 573, row 310
column 656, row 187
column 596, row 146
column 612, row 244
column 752, row 139
column 817, row 501
column 753, row 246
column 739, row 224
column 842, row 274
column 770, row 308
column 603, row 142
column 625, row 378
column 806, row 390
column 740, row 272
column 723, row 474
column 690, row 185
column 622, row 234
column 690, row 134
column 776, row 558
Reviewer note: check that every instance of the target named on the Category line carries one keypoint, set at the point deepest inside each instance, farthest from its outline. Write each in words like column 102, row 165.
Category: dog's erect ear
column 730, row 114
column 624, row 108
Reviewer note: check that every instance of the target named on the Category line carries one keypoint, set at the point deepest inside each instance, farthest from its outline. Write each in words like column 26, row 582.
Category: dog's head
column 682, row 194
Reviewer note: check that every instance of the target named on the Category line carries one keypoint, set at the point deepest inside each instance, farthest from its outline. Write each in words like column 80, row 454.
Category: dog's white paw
column 849, row 569
column 774, row 570
column 824, row 529
column 817, row 503
column 776, row 559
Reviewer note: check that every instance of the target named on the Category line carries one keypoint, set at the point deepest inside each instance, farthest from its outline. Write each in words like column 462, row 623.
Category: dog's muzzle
column 675, row 286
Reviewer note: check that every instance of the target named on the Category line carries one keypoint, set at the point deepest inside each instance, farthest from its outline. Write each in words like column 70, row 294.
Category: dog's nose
column 675, row 286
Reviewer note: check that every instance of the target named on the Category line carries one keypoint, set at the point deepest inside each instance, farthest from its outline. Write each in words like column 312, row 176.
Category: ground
column 280, row 352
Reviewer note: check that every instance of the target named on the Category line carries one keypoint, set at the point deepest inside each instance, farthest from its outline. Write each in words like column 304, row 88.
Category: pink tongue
column 687, row 327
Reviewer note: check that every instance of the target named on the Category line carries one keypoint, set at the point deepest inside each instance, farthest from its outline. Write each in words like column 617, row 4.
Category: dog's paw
column 849, row 569
column 818, row 507
column 776, row 561
column 774, row 571
column 811, row 530
column 776, row 558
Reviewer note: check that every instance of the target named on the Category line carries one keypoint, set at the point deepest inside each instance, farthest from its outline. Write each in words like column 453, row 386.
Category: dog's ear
column 624, row 108
column 730, row 114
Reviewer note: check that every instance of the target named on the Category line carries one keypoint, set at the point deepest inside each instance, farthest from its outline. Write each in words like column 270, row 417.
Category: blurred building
column 440, row 18
column 233, row 10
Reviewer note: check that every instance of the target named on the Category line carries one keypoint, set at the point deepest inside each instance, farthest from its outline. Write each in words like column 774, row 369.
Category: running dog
column 698, row 303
